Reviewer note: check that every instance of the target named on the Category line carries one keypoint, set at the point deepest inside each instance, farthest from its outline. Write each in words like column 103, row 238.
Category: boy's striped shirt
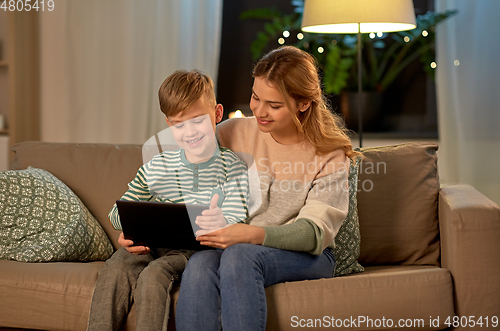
column 170, row 177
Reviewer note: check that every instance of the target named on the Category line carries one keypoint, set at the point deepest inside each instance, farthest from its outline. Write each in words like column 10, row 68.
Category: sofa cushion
column 347, row 240
column 97, row 173
column 397, row 202
column 46, row 296
column 50, row 296
column 399, row 295
column 42, row 220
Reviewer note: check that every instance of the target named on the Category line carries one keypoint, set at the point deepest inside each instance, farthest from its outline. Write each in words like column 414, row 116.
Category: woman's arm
column 301, row 236
column 326, row 207
column 233, row 234
column 315, row 228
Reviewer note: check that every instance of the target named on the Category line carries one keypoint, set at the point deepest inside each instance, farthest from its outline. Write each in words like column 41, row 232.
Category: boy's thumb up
column 213, row 201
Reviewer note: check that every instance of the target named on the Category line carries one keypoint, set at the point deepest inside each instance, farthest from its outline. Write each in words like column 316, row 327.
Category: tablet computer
column 161, row 224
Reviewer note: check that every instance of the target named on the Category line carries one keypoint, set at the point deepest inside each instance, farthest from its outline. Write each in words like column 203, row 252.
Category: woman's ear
column 304, row 105
column 219, row 112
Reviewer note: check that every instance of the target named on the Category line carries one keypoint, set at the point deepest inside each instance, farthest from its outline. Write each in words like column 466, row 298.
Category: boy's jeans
column 226, row 287
column 145, row 279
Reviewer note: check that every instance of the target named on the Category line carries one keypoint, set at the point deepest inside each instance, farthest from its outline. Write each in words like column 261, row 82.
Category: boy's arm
column 234, row 206
column 138, row 190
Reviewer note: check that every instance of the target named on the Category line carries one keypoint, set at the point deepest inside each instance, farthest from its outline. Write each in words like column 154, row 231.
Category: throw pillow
column 42, row 220
column 348, row 239
column 398, row 205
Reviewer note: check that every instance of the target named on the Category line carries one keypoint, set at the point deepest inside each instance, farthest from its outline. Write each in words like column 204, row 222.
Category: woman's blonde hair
column 182, row 89
column 294, row 73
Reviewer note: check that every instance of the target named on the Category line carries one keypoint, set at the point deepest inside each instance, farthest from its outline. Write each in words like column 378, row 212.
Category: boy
column 199, row 172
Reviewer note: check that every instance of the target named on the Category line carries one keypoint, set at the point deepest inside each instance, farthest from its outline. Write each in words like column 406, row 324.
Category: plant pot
column 372, row 109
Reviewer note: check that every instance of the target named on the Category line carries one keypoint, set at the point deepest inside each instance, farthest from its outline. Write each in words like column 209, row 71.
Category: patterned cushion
column 42, row 220
column 348, row 239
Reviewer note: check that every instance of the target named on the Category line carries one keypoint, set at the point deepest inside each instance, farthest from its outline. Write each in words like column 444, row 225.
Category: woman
column 302, row 157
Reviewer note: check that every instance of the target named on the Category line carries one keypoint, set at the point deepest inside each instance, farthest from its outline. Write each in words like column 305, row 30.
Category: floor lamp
column 358, row 16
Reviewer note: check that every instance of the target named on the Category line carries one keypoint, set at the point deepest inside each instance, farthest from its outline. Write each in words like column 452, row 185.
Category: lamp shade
column 343, row 16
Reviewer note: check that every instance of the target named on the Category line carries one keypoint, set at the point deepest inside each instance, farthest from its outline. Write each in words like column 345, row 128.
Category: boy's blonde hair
column 295, row 73
column 184, row 88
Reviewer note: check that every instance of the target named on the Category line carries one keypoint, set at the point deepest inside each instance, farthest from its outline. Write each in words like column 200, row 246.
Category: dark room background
column 409, row 105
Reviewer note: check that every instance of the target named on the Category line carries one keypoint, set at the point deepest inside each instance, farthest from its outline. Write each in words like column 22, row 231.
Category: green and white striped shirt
column 170, row 177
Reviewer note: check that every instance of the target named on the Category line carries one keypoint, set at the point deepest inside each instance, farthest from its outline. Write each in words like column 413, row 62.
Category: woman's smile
column 263, row 122
column 271, row 111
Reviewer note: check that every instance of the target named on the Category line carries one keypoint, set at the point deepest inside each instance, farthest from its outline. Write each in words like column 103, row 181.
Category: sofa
column 430, row 253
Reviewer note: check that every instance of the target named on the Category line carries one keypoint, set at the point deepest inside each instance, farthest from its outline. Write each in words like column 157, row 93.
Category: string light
column 286, row 33
column 456, row 63
column 300, row 36
column 407, row 39
column 281, row 41
column 380, row 34
column 372, row 35
column 321, row 49
column 433, row 65
column 334, row 42
column 425, row 33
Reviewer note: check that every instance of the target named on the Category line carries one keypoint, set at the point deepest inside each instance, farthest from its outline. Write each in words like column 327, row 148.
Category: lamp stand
column 360, row 91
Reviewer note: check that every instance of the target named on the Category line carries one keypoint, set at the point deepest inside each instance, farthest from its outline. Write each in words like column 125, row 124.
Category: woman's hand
column 211, row 219
column 233, row 234
column 129, row 246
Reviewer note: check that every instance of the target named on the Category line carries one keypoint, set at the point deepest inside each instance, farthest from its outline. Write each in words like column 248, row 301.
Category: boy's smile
column 194, row 142
column 193, row 130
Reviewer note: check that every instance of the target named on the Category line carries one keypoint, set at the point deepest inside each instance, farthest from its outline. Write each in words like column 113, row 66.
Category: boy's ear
column 167, row 121
column 219, row 112
column 304, row 105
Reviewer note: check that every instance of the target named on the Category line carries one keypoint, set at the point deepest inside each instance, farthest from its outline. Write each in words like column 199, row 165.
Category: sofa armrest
column 469, row 225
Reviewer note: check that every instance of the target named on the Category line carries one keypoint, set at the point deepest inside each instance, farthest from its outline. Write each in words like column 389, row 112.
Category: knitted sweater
column 300, row 198
column 170, row 177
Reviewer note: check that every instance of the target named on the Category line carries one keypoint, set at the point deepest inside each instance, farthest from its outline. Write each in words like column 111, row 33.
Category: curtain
column 467, row 82
column 102, row 63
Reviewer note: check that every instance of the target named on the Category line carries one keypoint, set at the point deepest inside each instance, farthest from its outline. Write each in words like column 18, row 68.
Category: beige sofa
column 429, row 252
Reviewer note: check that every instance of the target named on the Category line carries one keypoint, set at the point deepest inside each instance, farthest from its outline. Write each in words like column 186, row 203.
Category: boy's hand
column 211, row 219
column 129, row 246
